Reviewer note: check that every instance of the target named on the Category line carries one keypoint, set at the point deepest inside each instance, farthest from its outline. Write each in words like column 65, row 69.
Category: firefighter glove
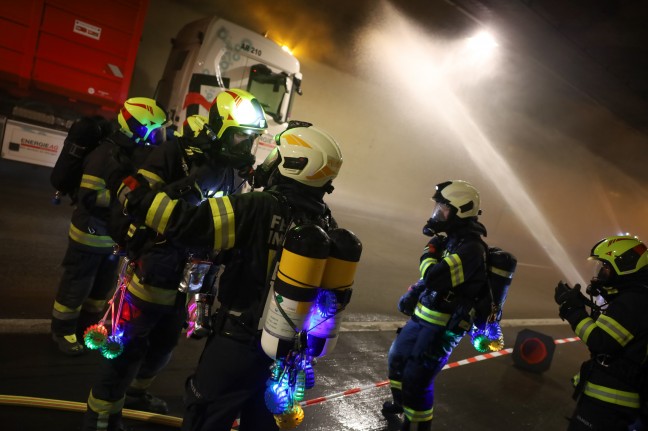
column 569, row 299
column 128, row 185
column 134, row 191
column 407, row 303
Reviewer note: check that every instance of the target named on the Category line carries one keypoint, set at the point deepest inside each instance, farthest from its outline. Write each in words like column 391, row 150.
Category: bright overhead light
column 483, row 41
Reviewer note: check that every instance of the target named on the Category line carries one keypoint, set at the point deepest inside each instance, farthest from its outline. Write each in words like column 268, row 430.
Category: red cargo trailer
column 60, row 59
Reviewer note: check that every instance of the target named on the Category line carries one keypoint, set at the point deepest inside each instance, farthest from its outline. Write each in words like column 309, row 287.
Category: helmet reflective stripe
column 141, row 105
column 296, row 140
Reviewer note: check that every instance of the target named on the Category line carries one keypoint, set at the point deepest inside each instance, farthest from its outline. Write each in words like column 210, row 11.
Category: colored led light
column 95, row 336
column 291, row 419
column 113, row 347
column 276, row 398
column 309, row 376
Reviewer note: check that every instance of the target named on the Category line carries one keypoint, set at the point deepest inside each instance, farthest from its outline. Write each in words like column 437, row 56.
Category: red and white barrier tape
column 472, row 360
column 343, row 394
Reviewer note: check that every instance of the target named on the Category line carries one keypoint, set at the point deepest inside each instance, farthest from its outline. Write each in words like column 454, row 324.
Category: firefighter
column 441, row 303
column 89, row 264
column 608, row 386
column 230, row 379
column 200, row 160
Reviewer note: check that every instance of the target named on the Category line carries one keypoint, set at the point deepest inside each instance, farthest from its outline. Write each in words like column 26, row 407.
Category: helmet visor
column 241, row 141
column 603, row 271
column 153, row 134
column 157, row 136
column 602, row 275
column 441, row 212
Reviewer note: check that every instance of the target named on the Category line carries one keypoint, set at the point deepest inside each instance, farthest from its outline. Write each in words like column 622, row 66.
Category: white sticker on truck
column 88, row 30
column 31, row 144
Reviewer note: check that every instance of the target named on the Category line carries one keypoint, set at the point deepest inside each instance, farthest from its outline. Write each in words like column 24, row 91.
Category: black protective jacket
column 116, row 156
column 453, row 268
column 251, row 226
column 617, row 338
column 160, row 264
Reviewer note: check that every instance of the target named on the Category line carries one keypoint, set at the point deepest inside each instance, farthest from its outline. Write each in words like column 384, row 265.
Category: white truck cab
column 213, row 54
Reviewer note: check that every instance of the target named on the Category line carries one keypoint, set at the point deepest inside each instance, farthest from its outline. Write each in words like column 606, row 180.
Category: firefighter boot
column 391, row 408
column 93, row 421
column 68, row 344
column 392, row 412
column 140, row 399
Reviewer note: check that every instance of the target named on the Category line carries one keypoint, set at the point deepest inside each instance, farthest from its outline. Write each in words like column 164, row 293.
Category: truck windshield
column 270, row 89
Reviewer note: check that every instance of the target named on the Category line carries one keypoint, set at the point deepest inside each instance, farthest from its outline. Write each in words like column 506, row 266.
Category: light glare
column 483, row 41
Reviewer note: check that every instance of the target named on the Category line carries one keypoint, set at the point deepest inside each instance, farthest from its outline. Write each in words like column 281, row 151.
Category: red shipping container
column 83, row 50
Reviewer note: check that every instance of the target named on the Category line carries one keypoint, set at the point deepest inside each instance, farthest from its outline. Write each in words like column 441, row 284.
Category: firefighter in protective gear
column 441, row 304
column 89, row 264
column 230, row 379
column 156, row 307
column 238, row 119
column 609, row 386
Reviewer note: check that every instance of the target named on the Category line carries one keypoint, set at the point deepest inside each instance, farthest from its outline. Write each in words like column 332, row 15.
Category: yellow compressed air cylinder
column 299, row 274
column 336, row 287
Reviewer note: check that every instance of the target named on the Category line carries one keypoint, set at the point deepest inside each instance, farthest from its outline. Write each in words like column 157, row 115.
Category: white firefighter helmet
column 305, row 154
column 461, row 196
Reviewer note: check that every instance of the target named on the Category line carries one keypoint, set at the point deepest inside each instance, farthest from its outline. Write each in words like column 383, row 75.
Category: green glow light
column 481, row 343
column 95, row 336
column 112, row 348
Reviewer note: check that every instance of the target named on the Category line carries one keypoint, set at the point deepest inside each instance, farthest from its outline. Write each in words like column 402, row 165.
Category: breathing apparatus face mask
column 600, row 284
column 239, row 141
column 265, row 172
column 439, row 220
column 238, row 147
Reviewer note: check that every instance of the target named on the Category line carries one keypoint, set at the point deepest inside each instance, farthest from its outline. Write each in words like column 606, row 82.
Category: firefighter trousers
column 229, row 382
column 417, row 355
column 87, row 281
column 594, row 415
